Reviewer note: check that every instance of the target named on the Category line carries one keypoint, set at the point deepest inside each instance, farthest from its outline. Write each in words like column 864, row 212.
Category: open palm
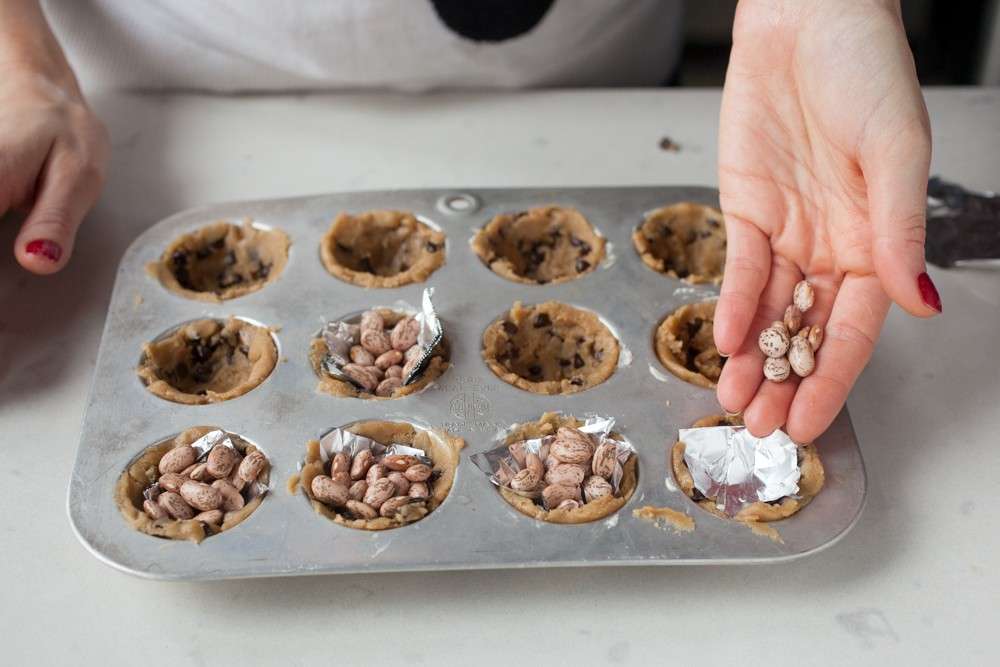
column 824, row 150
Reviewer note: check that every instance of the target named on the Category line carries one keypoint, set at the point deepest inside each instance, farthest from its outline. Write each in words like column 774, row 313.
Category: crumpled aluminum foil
column 204, row 445
column 963, row 227
column 341, row 440
column 500, row 466
column 340, row 336
column 736, row 469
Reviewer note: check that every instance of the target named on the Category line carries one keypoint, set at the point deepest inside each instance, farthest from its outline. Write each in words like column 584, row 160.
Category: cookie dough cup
column 440, row 446
column 549, row 244
column 685, row 344
column 686, row 241
column 144, row 471
column 810, row 482
column 222, row 261
column 550, row 348
column 208, row 361
column 436, row 366
column 548, row 424
column 382, row 249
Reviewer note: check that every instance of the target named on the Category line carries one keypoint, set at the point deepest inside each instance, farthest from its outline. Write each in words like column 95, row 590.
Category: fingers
column 895, row 165
column 743, row 372
column 853, row 328
column 748, row 262
column 67, row 188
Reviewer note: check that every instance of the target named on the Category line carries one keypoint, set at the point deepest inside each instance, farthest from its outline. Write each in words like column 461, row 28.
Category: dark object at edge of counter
column 963, row 227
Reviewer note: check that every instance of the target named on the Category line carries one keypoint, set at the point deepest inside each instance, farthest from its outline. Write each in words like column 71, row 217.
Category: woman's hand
column 53, row 149
column 824, row 151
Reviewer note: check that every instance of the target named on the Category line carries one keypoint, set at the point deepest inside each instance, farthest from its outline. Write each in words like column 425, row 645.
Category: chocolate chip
column 576, row 382
column 542, row 320
column 229, row 279
column 432, row 247
column 201, row 352
column 203, row 253
column 520, row 214
column 535, row 370
column 666, row 231
column 582, row 265
column 218, row 244
column 230, row 258
column 262, row 272
column 509, row 328
column 697, row 495
column 202, row 373
column 179, row 258
column 577, row 361
column 366, row 265
column 575, row 241
column 564, row 362
column 713, row 223
column 704, row 234
column 343, row 248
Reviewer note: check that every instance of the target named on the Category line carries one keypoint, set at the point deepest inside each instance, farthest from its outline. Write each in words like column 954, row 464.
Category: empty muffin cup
column 208, row 361
column 382, row 249
column 685, row 344
column 222, row 261
column 686, row 241
column 550, row 348
column 548, row 244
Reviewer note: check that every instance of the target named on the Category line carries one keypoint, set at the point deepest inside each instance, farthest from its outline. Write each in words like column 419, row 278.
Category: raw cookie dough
column 810, row 482
column 437, row 365
column 143, row 471
column 686, row 241
column 550, row 348
column 684, row 344
column 440, row 446
column 222, row 261
column 596, row 509
column 208, row 361
column 549, row 244
column 381, row 249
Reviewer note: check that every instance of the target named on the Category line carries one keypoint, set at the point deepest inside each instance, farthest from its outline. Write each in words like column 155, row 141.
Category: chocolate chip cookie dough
column 381, row 249
column 686, row 241
column 685, row 345
column 222, row 261
column 144, row 471
column 548, row 244
column 387, row 367
column 810, row 482
column 441, row 447
column 550, row 348
column 597, row 508
column 208, row 361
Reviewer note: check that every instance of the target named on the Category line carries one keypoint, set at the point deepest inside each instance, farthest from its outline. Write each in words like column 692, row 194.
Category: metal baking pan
column 474, row 528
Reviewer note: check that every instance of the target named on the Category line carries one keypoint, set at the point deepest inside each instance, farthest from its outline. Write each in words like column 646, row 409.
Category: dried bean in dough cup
column 440, row 446
column 143, row 471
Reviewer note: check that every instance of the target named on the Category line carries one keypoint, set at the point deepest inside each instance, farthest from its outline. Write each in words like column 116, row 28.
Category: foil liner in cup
column 500, row 465
column 340, row 440
column 340, row 337
column 203, row 446
column 731, row 466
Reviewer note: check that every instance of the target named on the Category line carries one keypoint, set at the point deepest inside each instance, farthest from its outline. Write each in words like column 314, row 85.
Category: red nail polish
column 928, row 292
column 50, row 250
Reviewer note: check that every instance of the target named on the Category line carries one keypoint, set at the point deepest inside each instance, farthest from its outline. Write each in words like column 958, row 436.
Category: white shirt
column 232, row 45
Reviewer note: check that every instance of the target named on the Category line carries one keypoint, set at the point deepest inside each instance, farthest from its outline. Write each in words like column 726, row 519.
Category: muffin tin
column 474, row 527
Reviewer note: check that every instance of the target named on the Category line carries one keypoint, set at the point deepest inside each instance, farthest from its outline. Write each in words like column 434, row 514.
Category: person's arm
column 824, row 151
column 53, row 149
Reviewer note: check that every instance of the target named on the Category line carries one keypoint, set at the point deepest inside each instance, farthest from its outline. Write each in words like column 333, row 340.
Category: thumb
column 896, row 169
column 67, row 189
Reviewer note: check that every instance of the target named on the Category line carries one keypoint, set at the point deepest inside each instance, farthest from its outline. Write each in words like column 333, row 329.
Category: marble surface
column 915, row 581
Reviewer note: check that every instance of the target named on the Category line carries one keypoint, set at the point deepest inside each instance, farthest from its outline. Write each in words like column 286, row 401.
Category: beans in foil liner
column 736, row 469
column 501, row 465
column 203, row 446
column 341, row 336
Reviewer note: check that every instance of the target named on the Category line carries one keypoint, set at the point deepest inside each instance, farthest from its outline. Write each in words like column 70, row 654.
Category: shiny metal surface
column 474, row 528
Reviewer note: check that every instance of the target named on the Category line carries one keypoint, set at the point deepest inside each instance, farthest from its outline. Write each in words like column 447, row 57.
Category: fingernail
column 928, row 292
column 50, row 250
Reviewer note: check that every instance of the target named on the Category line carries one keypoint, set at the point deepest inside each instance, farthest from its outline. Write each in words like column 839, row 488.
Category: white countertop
column 915, row 582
